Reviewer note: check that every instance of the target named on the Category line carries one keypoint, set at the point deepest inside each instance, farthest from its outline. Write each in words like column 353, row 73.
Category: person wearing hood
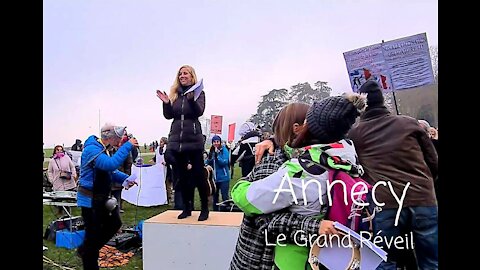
column 218, row 158
column 78, row 146
column 98, row 172
column 185, row 140
column 244, row 150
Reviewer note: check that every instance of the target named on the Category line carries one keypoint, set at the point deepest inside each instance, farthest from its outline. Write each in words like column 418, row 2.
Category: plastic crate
column 68, row 239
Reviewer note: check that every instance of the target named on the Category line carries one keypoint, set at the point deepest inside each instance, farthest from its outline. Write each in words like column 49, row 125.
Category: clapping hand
column 163, row 96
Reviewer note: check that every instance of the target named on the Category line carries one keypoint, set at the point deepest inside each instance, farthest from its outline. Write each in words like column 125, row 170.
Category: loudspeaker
column 125, row 241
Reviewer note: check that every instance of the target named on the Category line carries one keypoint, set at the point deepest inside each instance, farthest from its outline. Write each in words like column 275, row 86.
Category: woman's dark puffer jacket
column 186, row 131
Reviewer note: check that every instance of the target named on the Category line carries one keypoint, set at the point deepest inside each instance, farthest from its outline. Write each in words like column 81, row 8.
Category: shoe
column 203, row 216
column 184, row 214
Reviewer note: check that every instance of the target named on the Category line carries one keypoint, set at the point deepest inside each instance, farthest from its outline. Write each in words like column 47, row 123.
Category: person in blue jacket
column 218, row 158
column 98, row 170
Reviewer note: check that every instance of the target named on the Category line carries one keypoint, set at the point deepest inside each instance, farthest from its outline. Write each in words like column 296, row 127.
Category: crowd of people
column 352, row 129
column 388, row 147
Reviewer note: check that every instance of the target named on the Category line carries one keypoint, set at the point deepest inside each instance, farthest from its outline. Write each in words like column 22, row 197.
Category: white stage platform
column 180, row 244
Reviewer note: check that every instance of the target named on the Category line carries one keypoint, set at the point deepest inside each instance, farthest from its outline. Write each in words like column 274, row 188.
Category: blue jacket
column 220, row 165
column 93, row 149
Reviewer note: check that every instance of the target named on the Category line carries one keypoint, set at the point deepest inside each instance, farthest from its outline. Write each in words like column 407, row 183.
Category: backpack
column 355, row 217
column 315, row 160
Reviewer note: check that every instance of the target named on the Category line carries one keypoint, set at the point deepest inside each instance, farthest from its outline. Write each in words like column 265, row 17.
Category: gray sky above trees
column 112, row 55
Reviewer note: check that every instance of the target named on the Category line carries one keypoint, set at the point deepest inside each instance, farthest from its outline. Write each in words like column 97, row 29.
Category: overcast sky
column 103, row 60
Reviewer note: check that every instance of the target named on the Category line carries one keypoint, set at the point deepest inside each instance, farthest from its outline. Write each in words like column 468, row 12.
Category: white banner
column 150, row 190
column 409, row 61
column 366, row 63
column 398, row 64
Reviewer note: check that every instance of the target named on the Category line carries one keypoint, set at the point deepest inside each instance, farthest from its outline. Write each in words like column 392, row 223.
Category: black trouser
column 100, row 224
column 100, row 227
column 189, row 179
column 177, row 198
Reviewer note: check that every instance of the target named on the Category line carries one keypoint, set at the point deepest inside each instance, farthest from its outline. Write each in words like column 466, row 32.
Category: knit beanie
column 374, row 93
column 216, row 138
column 330, row 119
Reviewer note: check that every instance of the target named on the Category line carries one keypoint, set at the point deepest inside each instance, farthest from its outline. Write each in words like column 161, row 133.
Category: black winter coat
column 186, row 131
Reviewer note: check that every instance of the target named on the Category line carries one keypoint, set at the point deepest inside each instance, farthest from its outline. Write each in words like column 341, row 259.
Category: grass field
column 130, row 217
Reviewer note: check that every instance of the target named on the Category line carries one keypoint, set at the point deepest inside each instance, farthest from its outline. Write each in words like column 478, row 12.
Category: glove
column 130, row 181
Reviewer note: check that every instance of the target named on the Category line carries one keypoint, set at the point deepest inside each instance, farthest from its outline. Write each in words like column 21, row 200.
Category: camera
column 65, row 175
column 127, row 137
